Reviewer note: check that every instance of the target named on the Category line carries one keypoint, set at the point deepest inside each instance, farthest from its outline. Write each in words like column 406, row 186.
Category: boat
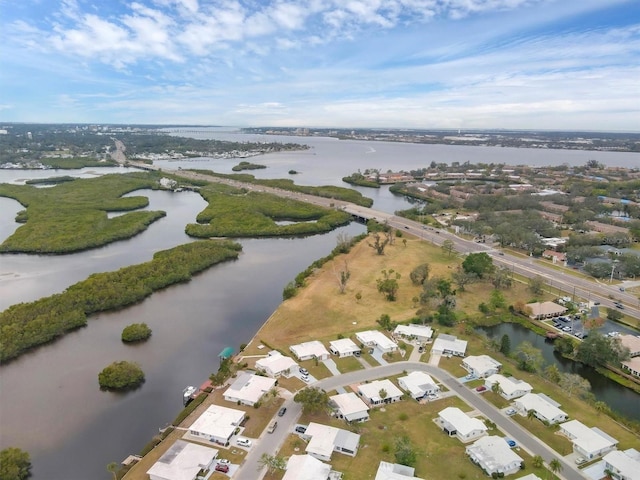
column 187, row 394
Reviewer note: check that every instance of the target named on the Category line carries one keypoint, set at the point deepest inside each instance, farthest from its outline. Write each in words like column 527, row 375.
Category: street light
column 613, row 267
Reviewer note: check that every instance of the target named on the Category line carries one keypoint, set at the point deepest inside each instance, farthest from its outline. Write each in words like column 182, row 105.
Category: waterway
column 50, row 404
column 619, row 398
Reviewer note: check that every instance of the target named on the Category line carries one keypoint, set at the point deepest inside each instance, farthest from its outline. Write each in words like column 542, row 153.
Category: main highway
column 570, row 283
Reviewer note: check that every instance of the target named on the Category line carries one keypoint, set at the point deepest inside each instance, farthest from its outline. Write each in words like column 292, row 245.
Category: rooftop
column 249, row 387
column 463, row 423
column 218, row 421
column 313, row 348
column 541, row 405
column 372, row 389
column 182, row 461
column 349, row 403
column 589, row 439
column 379, row 338
column 306, row 467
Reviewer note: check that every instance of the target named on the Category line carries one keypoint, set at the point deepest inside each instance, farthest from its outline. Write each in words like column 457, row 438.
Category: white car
column 243, row 442
column 224, row 461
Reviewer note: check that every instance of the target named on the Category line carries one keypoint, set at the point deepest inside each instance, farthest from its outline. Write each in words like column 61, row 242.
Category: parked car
column 224, row 461
column 481, row 388
column 510, row 411
column 580, row 460
column 510, row 442
column 222, row 467
column 282, row 411
column 303, row 371
column 596, row 303
column 301, row 429
column 243, row 442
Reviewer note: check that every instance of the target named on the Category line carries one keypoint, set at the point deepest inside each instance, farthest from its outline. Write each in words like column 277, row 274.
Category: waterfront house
column 544, row 408
column 510, row 387
column 248, row 388
column 276, row 364
column 623, row 465
column 216, row 424
column 182, row 461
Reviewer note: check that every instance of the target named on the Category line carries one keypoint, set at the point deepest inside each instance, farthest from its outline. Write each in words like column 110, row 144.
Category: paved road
column 271, row 443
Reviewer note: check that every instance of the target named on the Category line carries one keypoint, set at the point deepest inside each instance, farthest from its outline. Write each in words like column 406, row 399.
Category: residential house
column 531, row 476
column 555, row 257
column 344, row 347
column 632, row 342
column 588, row 442
column 379, row 392
column 494, row 455
column 350, row 407
column 394, row 471
column 276, row 364
column 217, row 424
column 306, row 467
column 623, row 465
column 418, row 384
column 632, row 366
column 419, row 333
column 248, row 388
column 310, row 350
column 509, row 387
column 324, row 440
column 544, row 310
column 455, row 422
column 481, row 366
column 449, row 344
column 182, row 461
column 543, row 407
column 374, row 338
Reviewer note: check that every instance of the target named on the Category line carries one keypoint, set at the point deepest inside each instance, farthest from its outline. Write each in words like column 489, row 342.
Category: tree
column 383, row 393
column 496, row 388
column 136, row 332
column 614, row 315
column 502, row 278
column 343, row 242
column 15, row 464
column 496, row 300
column 536, row 285
column 552, row 373
column 121, row 375
column 405, row 454
column 555, row 466
column 597, row 349
column 505, row 345
column 271, row 462
column 479, row 264
column 385, row 322
column 564, row 345
column 113, row 469
column 379, row 243
column 343, row 277
column 388, row 284
column 537, row 461
column 420, row 274
column 312, row 399
column 448, row 246
column 529, row 358
column 573, row 383
column 462, row 278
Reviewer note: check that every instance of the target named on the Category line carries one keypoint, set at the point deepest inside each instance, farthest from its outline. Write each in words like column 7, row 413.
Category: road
column 271, row 443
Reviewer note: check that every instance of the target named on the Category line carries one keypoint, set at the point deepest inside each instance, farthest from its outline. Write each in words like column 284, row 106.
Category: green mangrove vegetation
column 121, row 376
column 50, row 180
column 247, row 166
column 234, row 212
column 76, row 162
column 360, row 180
column 72, row 216
column 136, row 332
column 326, row 191
column 27, row 325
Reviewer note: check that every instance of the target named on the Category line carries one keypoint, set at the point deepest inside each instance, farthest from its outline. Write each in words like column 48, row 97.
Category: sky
column 458, row 64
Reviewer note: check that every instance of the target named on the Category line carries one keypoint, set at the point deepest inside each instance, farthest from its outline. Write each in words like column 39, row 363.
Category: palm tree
column 113, row 468
column 531, row 414
column 538, row 461
column 555, row 466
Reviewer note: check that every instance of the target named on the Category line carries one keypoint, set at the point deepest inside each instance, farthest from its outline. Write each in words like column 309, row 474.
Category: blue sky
column 525, row 64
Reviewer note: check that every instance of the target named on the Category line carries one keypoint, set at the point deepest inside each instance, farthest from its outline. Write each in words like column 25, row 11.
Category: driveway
column 331, row 366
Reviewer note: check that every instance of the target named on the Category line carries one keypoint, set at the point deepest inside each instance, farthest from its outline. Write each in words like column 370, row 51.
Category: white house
column 588, row 442
column 455, row 422
column 310, row 350
column 494, row 455
column 217, row 424
column 421, row 333
column 182, row 461
column 544, row 408
column 276, row 364
column 371, row 392
column 623, row 465
column 306, row 467
column 394, row 471
column 531, row 476
column 324, row 440
column 481, row 366
column 344, row 347
column 510, row 387
column 374, row 338
column 418, row 384
column 248, row 388
column 350, row 407
column 449, row 344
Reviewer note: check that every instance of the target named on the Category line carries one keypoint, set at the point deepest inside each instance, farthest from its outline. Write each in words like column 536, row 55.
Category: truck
column 272, row 426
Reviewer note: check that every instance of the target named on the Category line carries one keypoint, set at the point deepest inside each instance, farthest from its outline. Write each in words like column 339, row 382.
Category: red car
column 481, row 388
column 221, row 467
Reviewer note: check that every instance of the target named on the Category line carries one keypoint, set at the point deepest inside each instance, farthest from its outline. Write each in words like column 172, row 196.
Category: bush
column 136, row 332
column 121, row 376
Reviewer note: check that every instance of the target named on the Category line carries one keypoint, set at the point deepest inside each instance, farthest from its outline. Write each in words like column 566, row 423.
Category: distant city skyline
column 419, row 64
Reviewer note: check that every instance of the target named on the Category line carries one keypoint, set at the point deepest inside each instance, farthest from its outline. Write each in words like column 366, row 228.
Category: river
column 50, row 404
column 619, row 398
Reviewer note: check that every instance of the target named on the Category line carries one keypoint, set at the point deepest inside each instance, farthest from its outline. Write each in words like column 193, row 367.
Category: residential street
column 270, row 443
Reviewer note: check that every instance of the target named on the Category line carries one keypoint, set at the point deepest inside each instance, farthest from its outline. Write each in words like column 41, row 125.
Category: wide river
column 50, row 403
